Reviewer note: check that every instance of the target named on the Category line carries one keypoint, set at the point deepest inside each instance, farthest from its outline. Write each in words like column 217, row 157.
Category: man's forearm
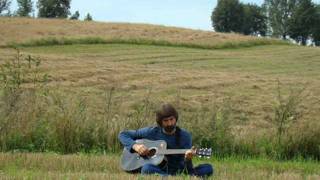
column 126, row 139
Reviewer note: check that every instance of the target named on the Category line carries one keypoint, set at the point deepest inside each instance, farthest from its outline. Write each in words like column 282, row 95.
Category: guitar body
column 133, row 161
column 157, row 151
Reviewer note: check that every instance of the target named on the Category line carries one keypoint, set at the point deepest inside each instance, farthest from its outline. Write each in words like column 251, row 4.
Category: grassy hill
column 126, row 76
column 19, row 30
column 233, row 93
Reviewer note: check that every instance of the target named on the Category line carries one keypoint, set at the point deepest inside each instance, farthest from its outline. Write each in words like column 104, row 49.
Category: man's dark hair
column 165, row 111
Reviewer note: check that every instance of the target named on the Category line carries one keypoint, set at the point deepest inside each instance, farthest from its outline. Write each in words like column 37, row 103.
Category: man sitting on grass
column 175, row 137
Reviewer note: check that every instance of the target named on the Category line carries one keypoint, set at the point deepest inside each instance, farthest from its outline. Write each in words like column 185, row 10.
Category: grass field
column 104, row 85
column 84, row 166
column 248, row 75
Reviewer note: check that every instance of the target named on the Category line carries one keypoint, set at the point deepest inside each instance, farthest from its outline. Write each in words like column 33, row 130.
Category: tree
column 75, row 16
column 315, row 31
column 4, row 6
column 88, row 17
column 254, row 22
column 24, row 7
column 232, row 16
column 278, row 13
column 227, row 16
column 53, row 8
column 302, row 21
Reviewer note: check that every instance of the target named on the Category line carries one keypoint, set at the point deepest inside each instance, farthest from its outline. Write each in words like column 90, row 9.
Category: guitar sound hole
column 152, row 152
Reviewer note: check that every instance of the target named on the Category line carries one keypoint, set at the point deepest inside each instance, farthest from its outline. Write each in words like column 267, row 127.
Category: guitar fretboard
column 173, row 151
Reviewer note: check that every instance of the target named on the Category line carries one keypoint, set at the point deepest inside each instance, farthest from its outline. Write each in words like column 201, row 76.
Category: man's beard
column 170, row 129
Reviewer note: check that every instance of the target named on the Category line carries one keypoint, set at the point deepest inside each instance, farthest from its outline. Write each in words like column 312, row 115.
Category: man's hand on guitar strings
column 189, row 154
column 141, row 149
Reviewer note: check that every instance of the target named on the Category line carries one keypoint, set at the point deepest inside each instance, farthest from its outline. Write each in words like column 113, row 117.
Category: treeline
column 298, row 20
column 46, row 9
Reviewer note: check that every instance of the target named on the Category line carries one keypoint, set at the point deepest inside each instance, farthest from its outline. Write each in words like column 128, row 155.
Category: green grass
column 90, row 166
column 143, row 41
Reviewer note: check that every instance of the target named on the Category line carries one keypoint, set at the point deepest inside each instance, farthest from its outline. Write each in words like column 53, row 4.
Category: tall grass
column 211, row 127
column 36, row 117
column 143, row 41
column 286, row 113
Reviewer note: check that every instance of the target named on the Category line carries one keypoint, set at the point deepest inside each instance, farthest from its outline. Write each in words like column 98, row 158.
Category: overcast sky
column 193, row 14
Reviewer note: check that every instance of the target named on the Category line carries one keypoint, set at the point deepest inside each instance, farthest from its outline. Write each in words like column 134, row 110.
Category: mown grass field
column 247, row 75
column 194, row 79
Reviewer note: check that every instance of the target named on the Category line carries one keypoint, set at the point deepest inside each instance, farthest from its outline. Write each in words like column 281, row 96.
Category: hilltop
column 22, row 30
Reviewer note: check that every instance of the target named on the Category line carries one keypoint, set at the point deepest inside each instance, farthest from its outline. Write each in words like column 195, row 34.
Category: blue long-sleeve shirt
column 175, row 163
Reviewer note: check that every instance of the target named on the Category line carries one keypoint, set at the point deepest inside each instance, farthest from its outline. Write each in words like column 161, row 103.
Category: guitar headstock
column 204, row 152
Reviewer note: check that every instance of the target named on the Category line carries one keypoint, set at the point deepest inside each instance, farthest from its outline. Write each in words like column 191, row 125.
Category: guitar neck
column 173, row 151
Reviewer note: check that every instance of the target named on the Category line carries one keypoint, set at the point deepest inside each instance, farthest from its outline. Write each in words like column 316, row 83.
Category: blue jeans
column 202, row 170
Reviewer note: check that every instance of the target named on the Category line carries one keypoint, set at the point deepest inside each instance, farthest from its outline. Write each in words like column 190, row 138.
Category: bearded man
column 174, row 136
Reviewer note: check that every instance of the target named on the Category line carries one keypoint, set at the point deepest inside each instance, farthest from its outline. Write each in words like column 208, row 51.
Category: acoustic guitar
column 157, row 151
